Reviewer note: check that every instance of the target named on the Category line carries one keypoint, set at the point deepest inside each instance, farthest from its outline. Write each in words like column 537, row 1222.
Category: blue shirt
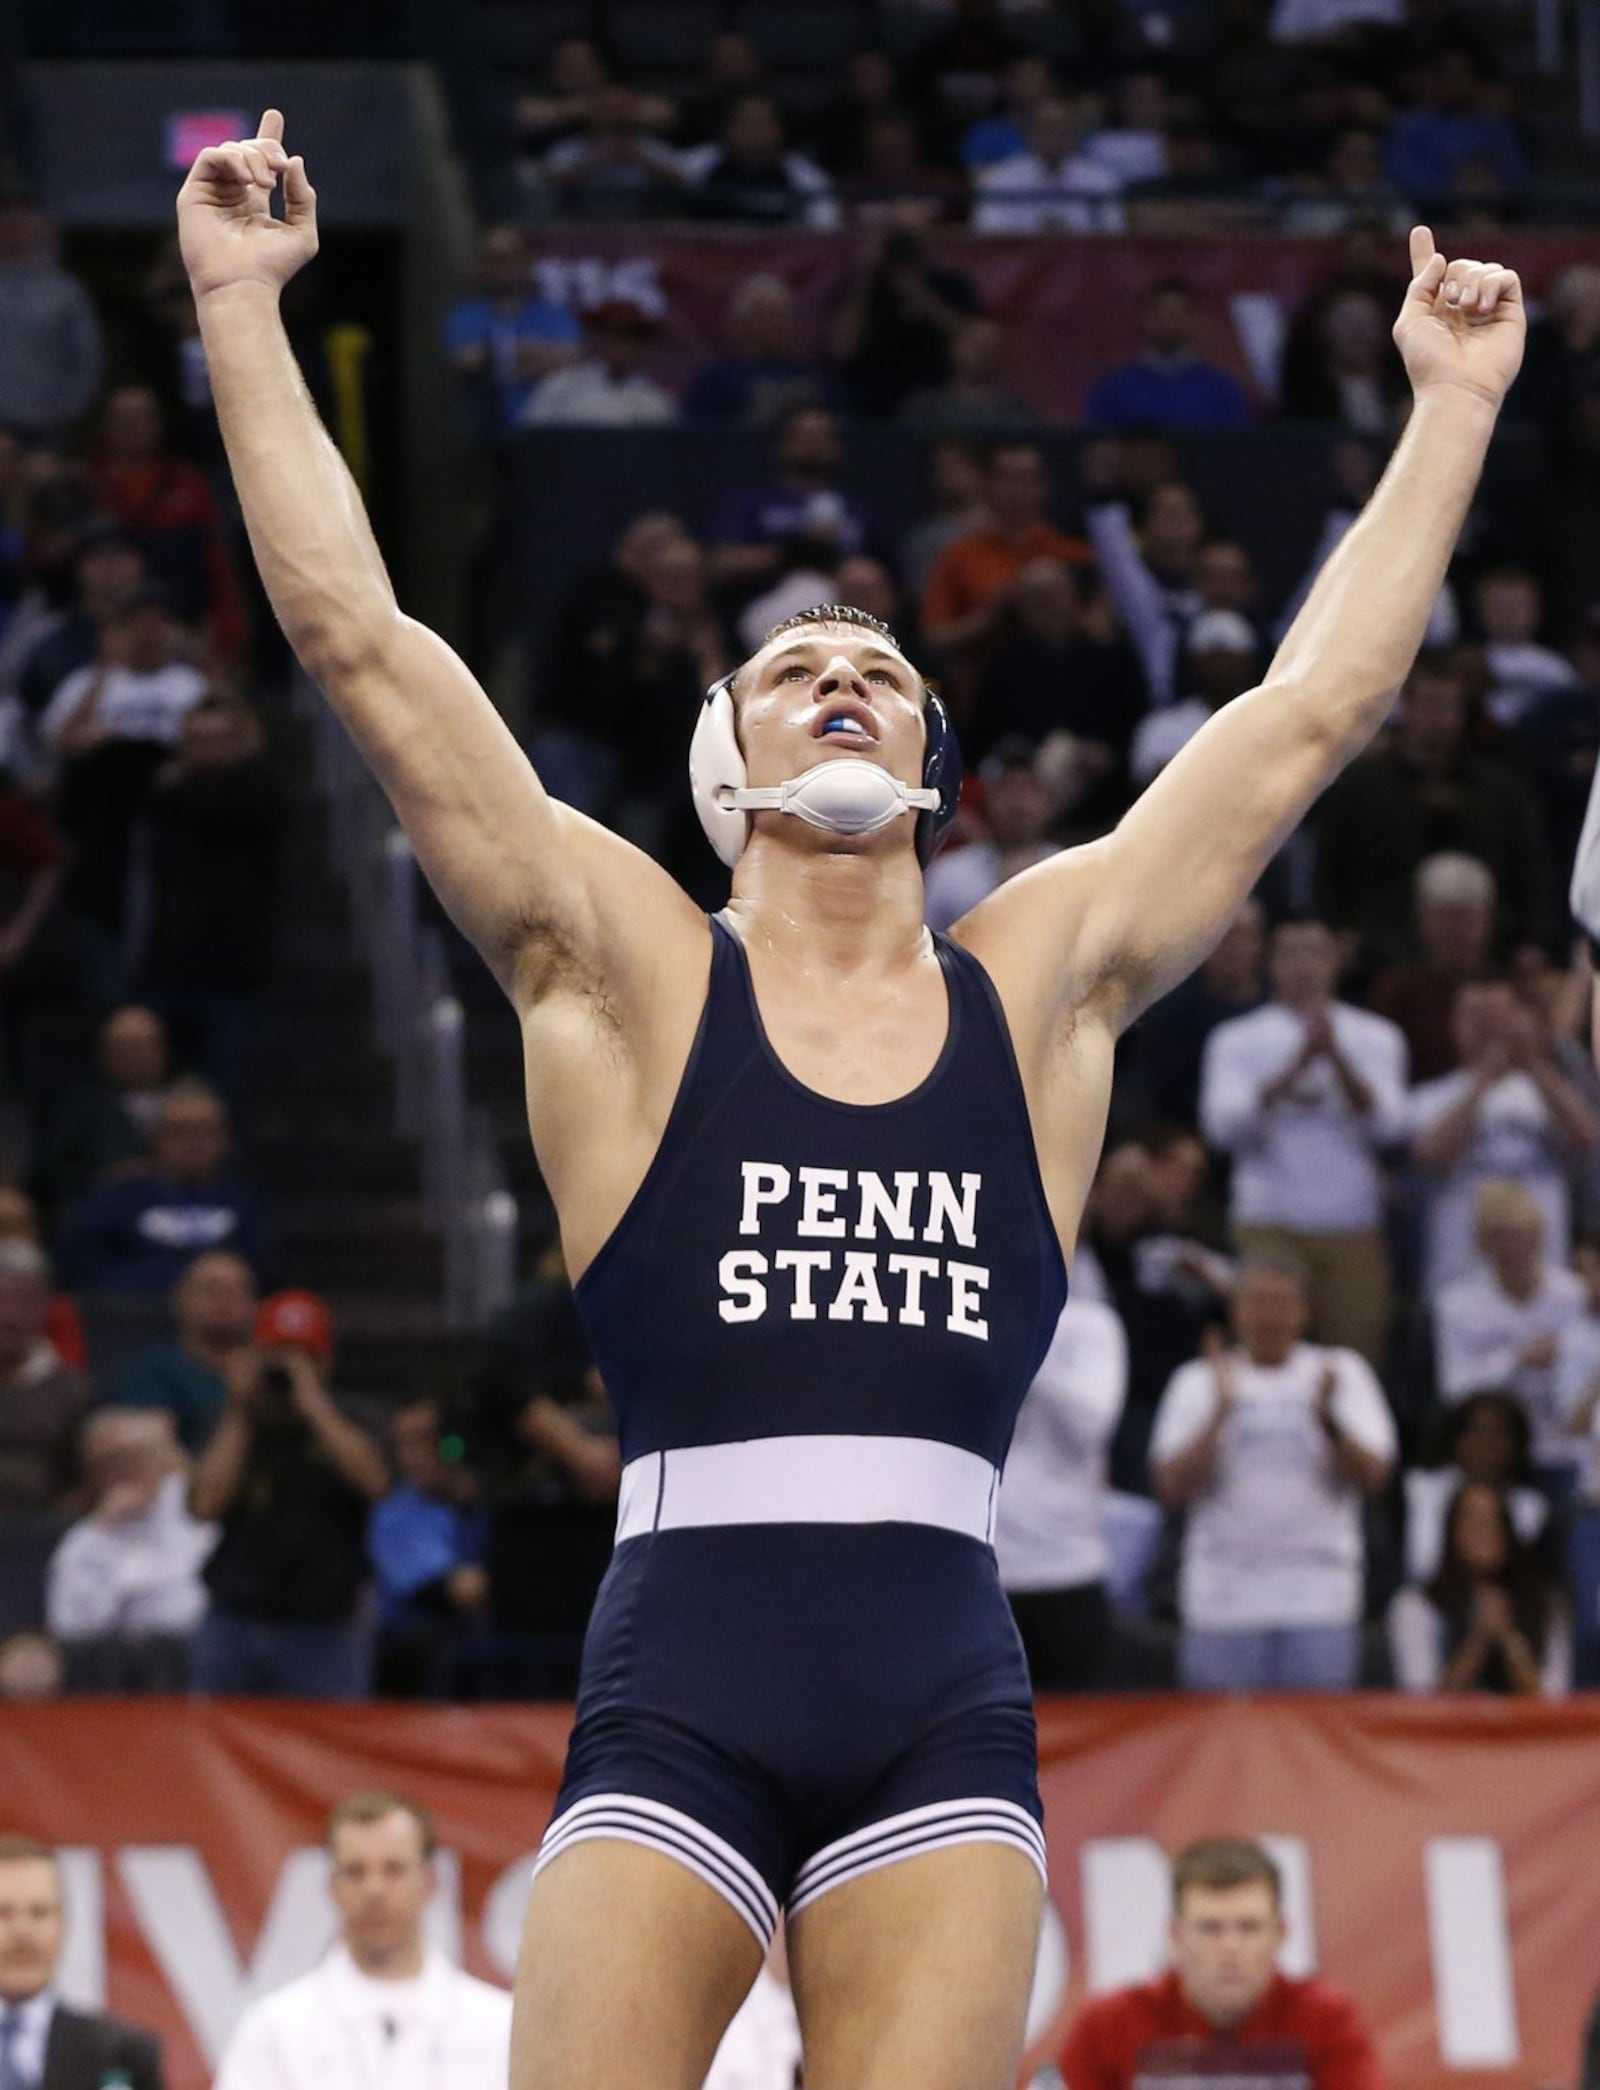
column 485, row 323
column 415, row 1541
column 1425, row 151
column 757, row 390
column 770, row 514
column 141, row 1234
column 1150, row 394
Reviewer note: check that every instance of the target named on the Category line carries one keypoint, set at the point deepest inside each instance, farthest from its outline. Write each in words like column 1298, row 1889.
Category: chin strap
column 788, row 797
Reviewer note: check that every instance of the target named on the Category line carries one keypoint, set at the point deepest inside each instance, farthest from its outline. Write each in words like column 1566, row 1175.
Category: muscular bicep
column 1120, row 922
column 521, row 875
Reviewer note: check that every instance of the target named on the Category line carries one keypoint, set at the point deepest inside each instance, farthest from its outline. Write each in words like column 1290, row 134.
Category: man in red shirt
column 1222, row 2009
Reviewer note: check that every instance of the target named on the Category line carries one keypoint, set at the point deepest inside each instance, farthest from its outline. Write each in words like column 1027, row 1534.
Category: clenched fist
column 226, row 229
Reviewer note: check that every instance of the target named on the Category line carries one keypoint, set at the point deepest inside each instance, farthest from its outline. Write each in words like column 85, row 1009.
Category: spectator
column 764, row 377
column 1350, row 373
column 1490, row 1619
column 169, row 510
column 972, row 397
column 505, row 338
column 1169, row 384
column 216, row 827
column 1502, row 1326
column 427, row 1539
column 808, row 574
column 110, row 1122
column 1357, row 463
column 50, row 346
column 838, row 130
column 577, row 68
column 138, row 1234
column 803, row 499
column 958, row 483
column 974, row 579
column 1029, row 82
column 164, row 350
column 107, row 571
column 1222, row 2006
column 1430, row 152
column 384, row 2002
column 291, row 1479
column 113, row 724
column 124, row 1591
column 1134, row 144
column 1304, row 1094
column 732, row 66
column 1455, row 908
column 42, row 1400
column 1049, row 1535
column 1224, row 663
column 1172, row 1037
column 1487, row 1441
column 1138, row 1253
column 43, row 2040
column 1065, row 680
column 608, row 389
column 63, row 1327
column 1427, row 789
column 893, row 330
column 1556, row 742
column 1510, row 607
column 1054, row 185
column 1350, row 189
column 612, row 167
column 1148, row 551
column 897, row 183
column 1563, row 351
column 1507, row 1112
column 751, row 176
column 1016, row 815
column 214, row 1315
column 960, row 72
column 1271, row 1447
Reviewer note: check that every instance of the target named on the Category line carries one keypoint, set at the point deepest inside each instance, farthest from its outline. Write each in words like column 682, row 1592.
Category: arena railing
column 419, row 1025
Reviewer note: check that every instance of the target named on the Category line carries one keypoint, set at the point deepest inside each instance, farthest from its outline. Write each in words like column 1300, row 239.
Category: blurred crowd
column 1324, row 1407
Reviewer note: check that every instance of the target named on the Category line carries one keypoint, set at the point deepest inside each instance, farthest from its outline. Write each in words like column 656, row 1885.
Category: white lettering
column 819, row 1193
column 1471, row 1945
column 860, row 1288
column 876, row 1204
column 802, row 1261
column 962, row 1212
column 765, row 1183
column 740, row 1271
column 913, row 1268
column 967, row 1284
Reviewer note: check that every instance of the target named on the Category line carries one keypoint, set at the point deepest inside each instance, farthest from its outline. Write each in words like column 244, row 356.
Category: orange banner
column 1438, row 1856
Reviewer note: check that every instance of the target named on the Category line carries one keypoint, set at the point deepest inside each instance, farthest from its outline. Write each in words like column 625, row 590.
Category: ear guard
column 724, row 800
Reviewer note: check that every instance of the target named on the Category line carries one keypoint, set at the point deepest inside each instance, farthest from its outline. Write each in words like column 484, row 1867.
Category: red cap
column 296, row 1321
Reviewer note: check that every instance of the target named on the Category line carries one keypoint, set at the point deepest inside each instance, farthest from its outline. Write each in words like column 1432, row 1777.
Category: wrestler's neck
column 821, row 908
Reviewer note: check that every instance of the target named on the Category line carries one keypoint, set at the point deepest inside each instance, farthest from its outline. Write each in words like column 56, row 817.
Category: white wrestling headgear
column 845, row 795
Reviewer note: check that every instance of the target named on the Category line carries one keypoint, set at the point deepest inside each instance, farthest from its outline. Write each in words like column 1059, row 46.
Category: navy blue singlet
column 816, row 1322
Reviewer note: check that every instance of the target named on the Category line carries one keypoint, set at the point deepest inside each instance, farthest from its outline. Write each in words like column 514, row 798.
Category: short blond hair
column 1220, row 1862
column 364, row 1808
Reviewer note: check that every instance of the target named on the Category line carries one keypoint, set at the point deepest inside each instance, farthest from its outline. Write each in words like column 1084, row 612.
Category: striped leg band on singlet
column 942, row 1826
column 620, row 1817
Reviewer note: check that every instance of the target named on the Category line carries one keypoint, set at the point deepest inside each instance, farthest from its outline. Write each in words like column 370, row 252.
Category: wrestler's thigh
column 919, row 1973
column 631, row 1968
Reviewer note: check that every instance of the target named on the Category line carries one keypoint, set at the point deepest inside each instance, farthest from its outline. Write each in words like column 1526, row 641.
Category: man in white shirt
column 1270, row 1447
column 1501, row 1328
column 1507, row 1112
column 384, row 2010
column 1304, row 1093
column 140, row 689
column 608, row 389
column 1052, row 187
column 1050, row 1530
column 129, row 1571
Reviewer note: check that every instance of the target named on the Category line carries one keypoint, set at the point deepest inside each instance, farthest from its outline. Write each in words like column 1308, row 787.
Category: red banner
column 1438, row 1856
column 1070, row 305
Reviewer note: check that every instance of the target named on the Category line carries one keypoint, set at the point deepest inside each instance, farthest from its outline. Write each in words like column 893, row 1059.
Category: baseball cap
column 296, row 1321
column 1221, row 631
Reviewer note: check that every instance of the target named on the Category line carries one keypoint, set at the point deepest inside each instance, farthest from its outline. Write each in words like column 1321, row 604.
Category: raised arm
column 1130, row 916
column 524, row 877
